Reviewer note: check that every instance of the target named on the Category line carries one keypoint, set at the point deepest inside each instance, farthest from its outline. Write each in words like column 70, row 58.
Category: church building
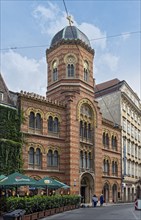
column 65, row 135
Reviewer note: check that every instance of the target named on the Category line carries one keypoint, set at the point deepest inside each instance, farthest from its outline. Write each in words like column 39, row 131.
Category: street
column 115, row 212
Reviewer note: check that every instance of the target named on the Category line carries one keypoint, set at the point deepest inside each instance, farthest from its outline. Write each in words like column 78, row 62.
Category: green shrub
column 39, row 203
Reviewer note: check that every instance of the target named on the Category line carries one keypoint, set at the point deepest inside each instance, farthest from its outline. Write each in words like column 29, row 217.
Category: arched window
column 86, row 160
column 89, row 132
column 106, row 167
column 31, row 156
column 114, row 143
column 89, row 161
column 38, row 158
column 38, row 121
column 55, row 161
column 70, row 70
column 116, row 169
column 107, row 140
column 81, row 129
column 50, row 158
column 56, row 125
column 81, row 159
column 50, row 124
column 113, row 167
column 86, row 123
column 104, row 139
column 86, row 71
column 85, row 130
column 55, row 71
column 32, row 120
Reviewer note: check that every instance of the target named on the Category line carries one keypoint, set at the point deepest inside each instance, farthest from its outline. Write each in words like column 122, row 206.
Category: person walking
column 101, row 200
column 94, row 200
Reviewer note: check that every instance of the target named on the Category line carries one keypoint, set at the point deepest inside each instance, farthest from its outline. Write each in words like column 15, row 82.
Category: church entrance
column 87, row 188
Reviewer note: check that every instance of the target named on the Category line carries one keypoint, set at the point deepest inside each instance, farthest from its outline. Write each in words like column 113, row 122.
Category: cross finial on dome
column 70, row 20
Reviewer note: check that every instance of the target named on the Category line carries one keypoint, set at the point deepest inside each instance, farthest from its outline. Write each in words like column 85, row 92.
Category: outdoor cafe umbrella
column 2, row 177
column 49, row 183
column 17, row 179
column 63, row 185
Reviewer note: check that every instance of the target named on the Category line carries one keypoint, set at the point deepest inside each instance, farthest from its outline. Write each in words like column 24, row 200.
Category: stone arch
column 106, row 157
column 35, row 146
column 86, row 187
column 90, row 104
column 57, row 62
column 106, row 190
column 31, row 109
column 70, row 55
column 54, row 115
column 115, row 160
column 53, row 148
column 106, row 131
column 116, row 183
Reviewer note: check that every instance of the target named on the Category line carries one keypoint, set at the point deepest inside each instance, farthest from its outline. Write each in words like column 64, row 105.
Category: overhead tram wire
column 94, row 39
column 69, row 18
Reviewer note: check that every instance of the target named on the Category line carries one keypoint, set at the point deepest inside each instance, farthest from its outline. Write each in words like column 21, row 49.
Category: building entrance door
column 87, row 188
column 83, row 194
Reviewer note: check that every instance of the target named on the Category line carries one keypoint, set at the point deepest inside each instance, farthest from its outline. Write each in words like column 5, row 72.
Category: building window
column 86, row 71
column 1, row 96
column 128, row 127
column 52, row 158
column 70, row 61
column 38, row 121
column 38, row 158
column 35, row 158
column 53, row 125
column 70, row 69
column 55, row 71
column 81, row 159
column 85, row 124
column 105, row 140
column 31, row 156
column 55, row 158
column 114, row 143
column 114, row 168
column 124, row 124
column 35, row 122
column 89, row 161
column 106, row 167
column 32, row 120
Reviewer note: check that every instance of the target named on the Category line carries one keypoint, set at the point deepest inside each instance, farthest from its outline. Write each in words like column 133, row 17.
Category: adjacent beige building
column 120, row 104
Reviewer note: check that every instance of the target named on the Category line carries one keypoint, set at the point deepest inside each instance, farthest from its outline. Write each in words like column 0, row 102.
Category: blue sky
column 34, row 23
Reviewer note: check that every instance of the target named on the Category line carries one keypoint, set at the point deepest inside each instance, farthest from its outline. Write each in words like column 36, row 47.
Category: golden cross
column 70, row 20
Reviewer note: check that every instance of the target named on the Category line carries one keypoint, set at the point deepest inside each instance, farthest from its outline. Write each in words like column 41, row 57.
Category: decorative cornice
column 71, row 42
column 34, row 96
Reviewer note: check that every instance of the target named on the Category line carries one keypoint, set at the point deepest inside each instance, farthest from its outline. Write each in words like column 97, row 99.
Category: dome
column 70, row 33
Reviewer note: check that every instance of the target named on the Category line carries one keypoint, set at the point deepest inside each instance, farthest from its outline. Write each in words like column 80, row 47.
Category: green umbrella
column 63, row 185
column 49, row 183
column 17, row 179
column 2, row 177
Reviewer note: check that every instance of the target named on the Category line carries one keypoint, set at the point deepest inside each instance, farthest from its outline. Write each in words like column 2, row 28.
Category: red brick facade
column 70, row 100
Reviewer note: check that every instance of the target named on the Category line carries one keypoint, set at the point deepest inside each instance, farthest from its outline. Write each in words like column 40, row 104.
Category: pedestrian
column 101, row 200
column 94, row 200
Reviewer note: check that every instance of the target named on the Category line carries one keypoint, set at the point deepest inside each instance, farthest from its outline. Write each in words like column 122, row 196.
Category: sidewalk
column 89, row 205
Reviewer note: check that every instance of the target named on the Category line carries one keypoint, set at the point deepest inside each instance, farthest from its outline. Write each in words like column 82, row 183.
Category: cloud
column 94, row 34
column 109, row 60
column 21, row 73
column 125, row 35
column 52, row 19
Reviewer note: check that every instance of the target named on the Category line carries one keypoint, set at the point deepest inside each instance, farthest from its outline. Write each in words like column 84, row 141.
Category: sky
column 27, row 28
